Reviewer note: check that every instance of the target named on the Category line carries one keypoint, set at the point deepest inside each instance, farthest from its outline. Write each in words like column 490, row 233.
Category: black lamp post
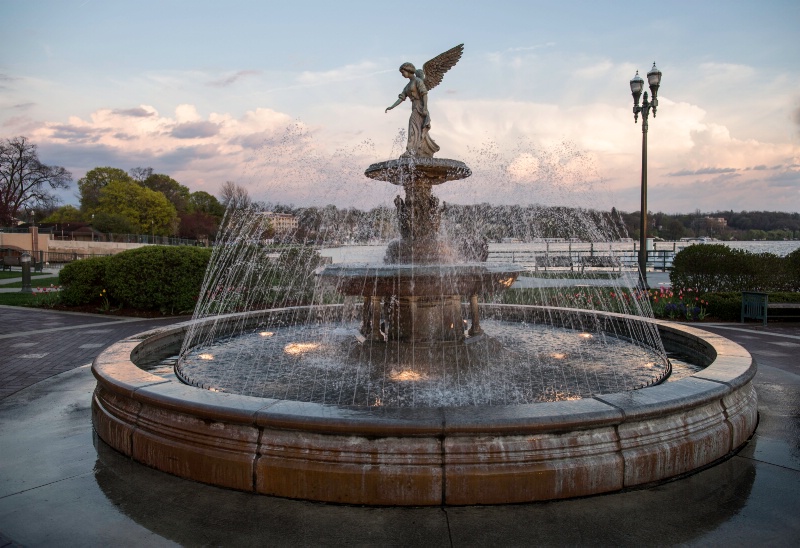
column 637, row 84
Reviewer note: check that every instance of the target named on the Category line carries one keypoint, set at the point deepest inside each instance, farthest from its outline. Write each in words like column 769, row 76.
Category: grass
column 40, row 282
column 17, row 299
column 4, row 275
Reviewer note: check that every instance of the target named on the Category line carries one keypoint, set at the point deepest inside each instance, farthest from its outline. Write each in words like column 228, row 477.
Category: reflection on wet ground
column 59, row 486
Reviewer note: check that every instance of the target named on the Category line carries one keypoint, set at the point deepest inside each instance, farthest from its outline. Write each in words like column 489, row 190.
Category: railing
column 581, row 260
column 49, row 258
column 75, row 235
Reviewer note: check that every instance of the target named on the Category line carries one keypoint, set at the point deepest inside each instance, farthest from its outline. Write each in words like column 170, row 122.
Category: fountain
column 399, row 400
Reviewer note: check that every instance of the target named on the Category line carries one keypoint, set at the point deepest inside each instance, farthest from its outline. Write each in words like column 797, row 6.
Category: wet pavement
column 61, row 486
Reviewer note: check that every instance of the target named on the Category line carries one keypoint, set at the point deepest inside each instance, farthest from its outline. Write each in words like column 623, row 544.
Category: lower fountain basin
column 414, row 280
column 432, row 455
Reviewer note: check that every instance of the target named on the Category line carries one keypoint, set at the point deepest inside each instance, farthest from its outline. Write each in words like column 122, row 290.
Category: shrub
column 726, row 306
column 83, row 281
column 164, row 278
column 792, row 266
column 718, row 268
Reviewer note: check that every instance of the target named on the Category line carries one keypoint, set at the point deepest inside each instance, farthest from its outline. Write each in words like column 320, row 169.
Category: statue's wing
column 435, row 68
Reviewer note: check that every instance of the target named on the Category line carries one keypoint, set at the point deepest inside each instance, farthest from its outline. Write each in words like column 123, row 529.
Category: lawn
column 17, row 299
column 4, row 275
column 38, row 282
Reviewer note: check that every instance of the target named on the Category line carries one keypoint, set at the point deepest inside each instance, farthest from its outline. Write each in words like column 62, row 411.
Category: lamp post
column 25, row 263
column 637, row 84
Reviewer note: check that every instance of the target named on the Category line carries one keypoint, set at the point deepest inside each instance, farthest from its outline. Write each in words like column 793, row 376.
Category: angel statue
column 420, row 82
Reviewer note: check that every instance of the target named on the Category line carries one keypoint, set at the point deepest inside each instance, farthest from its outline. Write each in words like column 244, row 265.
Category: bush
column 792, row 265
column 726, row 306
column 163, row 278
column 718, row 268
column 83, row 281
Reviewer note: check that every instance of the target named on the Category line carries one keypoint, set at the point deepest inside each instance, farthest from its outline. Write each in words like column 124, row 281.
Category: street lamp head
column 654, row 79
column 637, row 84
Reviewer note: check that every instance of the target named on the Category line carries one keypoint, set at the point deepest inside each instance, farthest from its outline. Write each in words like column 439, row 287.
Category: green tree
column 115, row 223
column 147, row 211
column 96, row 180
column 25, row 182
column 64, row 214
column 175, row 192
column 203, row 202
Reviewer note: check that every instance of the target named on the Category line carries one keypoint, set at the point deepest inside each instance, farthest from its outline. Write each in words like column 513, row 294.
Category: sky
column 287, row 98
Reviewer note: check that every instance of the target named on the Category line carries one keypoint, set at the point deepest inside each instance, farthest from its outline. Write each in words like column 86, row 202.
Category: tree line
column 140, row 201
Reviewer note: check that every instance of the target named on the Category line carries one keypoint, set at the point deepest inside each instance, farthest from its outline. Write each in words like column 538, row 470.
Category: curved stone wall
column 431, row 456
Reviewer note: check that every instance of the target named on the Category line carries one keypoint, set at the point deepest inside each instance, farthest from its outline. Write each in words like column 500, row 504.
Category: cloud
column 227, row 81
column 137, row 112
column 703, row 171
column 77, row 133
column 195, row 130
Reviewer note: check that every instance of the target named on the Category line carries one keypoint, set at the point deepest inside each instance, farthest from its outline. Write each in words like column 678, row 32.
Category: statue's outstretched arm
column 400, row 99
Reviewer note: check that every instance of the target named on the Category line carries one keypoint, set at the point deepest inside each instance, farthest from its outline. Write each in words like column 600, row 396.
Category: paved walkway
column 60, row 486
column 37, row 343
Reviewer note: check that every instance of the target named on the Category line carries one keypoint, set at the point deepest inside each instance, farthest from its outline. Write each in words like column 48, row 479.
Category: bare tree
column 25, row 182
column 234, row 196
column 140, row 174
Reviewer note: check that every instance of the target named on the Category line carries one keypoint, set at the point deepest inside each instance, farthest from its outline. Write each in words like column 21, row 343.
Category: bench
column 9, row 261
column 756, row 306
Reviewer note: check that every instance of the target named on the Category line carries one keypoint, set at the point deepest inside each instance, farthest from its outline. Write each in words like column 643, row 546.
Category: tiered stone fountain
column 432, row 454
column 416, row 297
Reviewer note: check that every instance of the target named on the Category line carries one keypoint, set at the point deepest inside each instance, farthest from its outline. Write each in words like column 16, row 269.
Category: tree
column 96, row 180
column 169, row 187
column 198, row 225
column 64, row 214
column 25, row 181
column 114, row 223
column 234, row 196
column 146, row 210
column 203, row 202
column 140, row 174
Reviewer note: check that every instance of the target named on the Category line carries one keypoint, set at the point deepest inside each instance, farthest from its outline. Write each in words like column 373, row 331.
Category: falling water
column 310, row 349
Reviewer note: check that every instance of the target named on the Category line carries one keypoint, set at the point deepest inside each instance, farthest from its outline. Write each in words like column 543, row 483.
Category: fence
column 89, row 235
column 49, row 258
column 581, row 260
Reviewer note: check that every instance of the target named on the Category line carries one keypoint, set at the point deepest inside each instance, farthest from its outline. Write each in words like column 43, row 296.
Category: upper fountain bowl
column 405, row 170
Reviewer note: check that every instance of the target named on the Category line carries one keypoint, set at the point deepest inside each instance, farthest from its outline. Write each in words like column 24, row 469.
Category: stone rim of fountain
column 428, row 456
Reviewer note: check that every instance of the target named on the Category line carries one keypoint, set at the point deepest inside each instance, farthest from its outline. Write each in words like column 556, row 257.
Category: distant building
column 717, row 222
column 282, row 223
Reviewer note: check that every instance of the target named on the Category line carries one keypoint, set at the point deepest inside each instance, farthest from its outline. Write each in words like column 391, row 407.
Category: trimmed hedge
column 163, row 278
column 727, row 306
column 83, row 281
column 710, row 268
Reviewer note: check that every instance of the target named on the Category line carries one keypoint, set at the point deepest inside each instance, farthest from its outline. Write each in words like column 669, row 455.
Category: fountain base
column 428, row 456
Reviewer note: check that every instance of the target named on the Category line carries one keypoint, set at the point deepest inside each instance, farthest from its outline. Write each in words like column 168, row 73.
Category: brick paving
column 36, row 344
